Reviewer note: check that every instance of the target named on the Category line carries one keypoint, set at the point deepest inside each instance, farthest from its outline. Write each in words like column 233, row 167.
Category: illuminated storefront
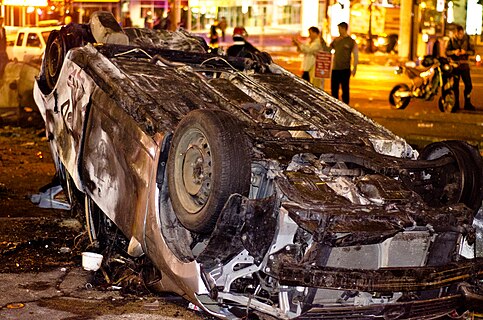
column 248, row 13
column 80, row 10
column 45, row 12
column 144, row 13
column 260, row 13
column 193, row 14
column 22, row 12
column 200, row 14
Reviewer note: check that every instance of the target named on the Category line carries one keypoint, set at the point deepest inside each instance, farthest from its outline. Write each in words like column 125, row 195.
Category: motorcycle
column 426, row 80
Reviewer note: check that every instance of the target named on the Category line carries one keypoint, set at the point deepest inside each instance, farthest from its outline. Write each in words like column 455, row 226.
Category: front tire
column 461, row 182
column 395, row 100
column 209, row 160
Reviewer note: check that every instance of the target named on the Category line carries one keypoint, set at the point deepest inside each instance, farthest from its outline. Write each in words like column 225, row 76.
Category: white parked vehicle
column 29, row 44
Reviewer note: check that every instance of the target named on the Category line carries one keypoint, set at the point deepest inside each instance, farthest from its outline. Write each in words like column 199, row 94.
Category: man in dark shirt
column 242, row 48
column 458, row 49
column 344, row 47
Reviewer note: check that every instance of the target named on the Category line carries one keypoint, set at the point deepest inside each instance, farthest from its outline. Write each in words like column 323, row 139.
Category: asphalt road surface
column 421, row 122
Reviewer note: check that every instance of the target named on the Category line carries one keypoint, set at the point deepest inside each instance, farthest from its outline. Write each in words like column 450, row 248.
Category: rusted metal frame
column 398, row 279
column 358, row 226
column 202, row 94
column 243, row 224
column 144, row 76
column 225, row 240
column 143, row 107
column 341, row 226
column 410, row 310
column 161, row 84
column 297, row 112
column 333, row 152
column 353, row 218
column 260, row 225
column 189, row 58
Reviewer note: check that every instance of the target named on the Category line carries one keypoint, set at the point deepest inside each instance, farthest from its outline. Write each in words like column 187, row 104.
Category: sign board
column 473, row 17
column 440, row 5
column 26, row 3
column 323, row 64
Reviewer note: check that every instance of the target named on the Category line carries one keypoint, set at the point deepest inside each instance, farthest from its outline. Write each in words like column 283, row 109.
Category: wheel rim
column 462, row 182
column 453, row 175
column 193, row 170
column 397, row 100
column 448, row 102
column 54, row 58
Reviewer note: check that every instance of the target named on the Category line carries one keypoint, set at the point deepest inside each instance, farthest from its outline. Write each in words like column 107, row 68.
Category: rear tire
column 208, row 161
column 447, row 102
column 54, row 57
column 399, row 102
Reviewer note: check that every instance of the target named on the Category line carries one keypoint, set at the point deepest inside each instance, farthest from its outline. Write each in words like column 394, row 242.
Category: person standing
column 458, row 49
column 436, row 50
column 3, row 48
column 127, row 22
column 241, row 47
column 148, row 20
column 309, row 51
column 213, row 35
column 223, row 25
column 344, row 48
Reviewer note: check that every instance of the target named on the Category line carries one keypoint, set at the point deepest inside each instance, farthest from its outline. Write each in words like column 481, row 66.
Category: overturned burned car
column 252, row 191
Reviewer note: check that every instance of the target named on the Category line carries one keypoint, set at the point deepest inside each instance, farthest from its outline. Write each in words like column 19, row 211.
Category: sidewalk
column 278, row 42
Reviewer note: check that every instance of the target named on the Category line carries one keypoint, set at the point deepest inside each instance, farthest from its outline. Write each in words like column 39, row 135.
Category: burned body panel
column 115, row 162
column 249, row 189
column 65, row 119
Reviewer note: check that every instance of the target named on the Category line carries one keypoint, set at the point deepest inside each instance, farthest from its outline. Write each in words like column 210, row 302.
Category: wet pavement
column 67, row 293
column 41, row 277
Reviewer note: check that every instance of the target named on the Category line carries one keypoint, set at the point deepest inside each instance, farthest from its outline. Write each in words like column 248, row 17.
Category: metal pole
column 176, row 14
column 405, row 27
column 369, row 33
column 188, row 18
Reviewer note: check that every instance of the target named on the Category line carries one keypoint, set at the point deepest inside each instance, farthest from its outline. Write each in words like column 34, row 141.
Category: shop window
column 20, row 37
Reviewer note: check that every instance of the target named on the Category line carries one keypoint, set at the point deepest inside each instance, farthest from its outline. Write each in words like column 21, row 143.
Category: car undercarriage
column 251, row 190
